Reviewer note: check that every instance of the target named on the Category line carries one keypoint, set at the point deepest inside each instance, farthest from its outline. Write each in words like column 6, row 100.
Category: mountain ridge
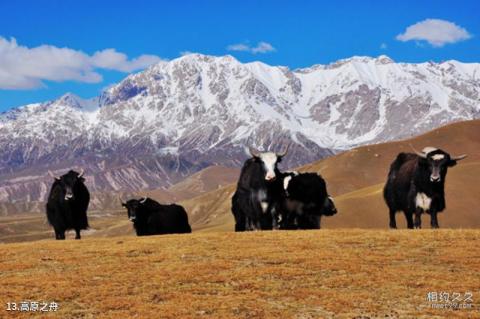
column 158, row 126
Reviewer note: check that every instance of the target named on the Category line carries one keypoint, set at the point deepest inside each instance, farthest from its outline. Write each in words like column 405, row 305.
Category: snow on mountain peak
column 72, row 100
column 208, row 108
column 69, row 99
column 384, row 59
column 176, row 93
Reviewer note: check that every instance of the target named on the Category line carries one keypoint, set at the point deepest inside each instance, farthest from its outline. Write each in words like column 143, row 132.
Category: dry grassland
column 297, row 274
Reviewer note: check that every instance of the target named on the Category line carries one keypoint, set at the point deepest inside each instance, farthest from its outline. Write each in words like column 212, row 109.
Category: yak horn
column 81, row 173
column 282, row 154
column 253, row 152
column 143, row 200
column 121, row 200
column 421, row 154
column 53, row 175
column 459, row 158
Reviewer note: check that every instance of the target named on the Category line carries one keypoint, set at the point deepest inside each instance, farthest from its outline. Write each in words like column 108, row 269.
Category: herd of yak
column 267, row 199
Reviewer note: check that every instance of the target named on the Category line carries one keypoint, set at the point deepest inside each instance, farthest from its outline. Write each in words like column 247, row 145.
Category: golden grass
column 280, row 274
column 30, row 227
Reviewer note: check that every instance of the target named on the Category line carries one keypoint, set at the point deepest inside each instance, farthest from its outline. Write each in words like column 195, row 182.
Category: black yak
column 306, row 201
column 259, row 192
column 416, row 184
column 68, row 203
column 152, row 218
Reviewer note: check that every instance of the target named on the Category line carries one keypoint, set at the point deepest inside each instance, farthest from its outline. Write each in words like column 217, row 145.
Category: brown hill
column 356, row 178
column 206, row 180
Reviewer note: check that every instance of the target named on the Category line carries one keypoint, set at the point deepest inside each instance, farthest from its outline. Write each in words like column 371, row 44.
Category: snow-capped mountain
column 160, row 125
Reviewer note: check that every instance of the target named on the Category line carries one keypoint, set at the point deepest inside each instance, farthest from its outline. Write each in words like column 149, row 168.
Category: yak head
column 329, row 208
column 437, row 162
column 269, row 161
column 69, row 181
column 133, row 207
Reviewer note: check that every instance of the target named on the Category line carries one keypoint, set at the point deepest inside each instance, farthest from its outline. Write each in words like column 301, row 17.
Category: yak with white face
column 416, row 185
column 258, row 193
column 269, row 161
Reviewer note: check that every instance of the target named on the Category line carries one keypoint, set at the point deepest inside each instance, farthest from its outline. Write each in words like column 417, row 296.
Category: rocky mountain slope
column 161, row 125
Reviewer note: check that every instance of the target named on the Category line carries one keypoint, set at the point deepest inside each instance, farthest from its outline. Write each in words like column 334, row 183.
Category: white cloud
column 26, row 68
column 435, row 31
column 113, row 60
column 238, row 47
column 262, row 47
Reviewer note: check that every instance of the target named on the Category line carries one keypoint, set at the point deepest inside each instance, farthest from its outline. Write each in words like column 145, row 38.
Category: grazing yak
column 259, row 192
column 68, row 203
column 306, row 201
column 416, row 184
column 152, row 218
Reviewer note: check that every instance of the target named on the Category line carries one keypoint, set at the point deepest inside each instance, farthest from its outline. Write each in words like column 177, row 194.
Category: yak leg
column 253, row 223
column 418, row 218
column 59, row 235
column 257, row 221
column 278, row 215
column 240, row 224
column 275, row 218
column 393, row 222
column 77, row 234
column 257, row 225
column 433, row 220
column 248, row 224
column 409, row 217
column 316, row 222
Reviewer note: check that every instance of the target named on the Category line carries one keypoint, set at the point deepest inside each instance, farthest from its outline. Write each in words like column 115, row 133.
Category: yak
column 67, row 204
column 259, row 192
column 416, row 185
column 152, row 218
column 306, row 201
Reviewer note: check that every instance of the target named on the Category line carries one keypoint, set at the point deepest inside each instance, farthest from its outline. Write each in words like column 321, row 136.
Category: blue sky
column 35, row 68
